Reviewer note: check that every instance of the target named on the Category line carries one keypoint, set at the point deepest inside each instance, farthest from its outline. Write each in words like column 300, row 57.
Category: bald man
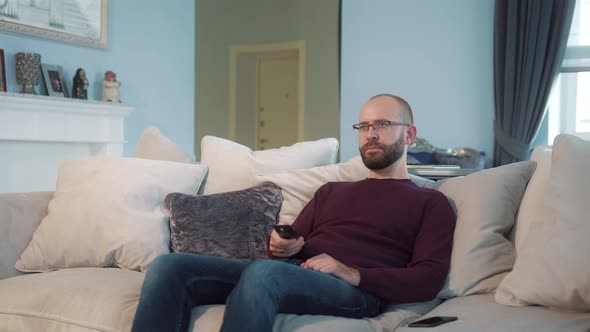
column 361, row 245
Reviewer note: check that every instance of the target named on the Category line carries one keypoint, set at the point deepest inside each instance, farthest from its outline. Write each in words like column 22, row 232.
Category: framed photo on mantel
column 82, row 22
column 54, row 80
column 3, row 87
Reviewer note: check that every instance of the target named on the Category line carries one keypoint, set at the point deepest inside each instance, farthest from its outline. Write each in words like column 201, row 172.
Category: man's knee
column 166, row 266
column 268, row 273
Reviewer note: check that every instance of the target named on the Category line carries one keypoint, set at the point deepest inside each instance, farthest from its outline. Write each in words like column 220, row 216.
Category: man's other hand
column 327, row 264
column 280, row 247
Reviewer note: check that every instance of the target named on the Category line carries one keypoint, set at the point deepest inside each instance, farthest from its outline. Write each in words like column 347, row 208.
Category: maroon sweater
column 398, row 235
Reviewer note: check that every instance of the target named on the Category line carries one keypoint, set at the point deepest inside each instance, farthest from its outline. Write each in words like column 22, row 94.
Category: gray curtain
column 530, row 37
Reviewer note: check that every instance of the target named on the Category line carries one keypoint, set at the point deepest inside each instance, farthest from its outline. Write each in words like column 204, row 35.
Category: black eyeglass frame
column 389, row 124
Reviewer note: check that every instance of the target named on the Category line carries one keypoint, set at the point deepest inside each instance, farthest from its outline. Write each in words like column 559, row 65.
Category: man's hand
column 327, row 264
column 280, row 247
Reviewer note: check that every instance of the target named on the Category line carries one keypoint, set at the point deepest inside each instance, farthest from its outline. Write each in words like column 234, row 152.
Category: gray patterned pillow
column 231, row 225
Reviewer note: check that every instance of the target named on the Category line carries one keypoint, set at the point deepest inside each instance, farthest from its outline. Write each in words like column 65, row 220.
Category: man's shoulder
column 433, row 197
column 337, row 185
column 429, row 195
column 368, row 184
column 400, row 190
column 409, row 187
column 429, row 192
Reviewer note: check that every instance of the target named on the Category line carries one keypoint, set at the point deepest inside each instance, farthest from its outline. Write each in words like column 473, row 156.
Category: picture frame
column 84, row 22
column 3, row 86
column 53, row 77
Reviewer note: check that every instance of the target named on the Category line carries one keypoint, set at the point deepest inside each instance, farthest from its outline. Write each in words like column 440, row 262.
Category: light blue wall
column 151, row 47
column 437, row 54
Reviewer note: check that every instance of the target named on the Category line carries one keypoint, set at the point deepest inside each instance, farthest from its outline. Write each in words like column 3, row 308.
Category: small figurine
column 110, row 87
column 80, row 86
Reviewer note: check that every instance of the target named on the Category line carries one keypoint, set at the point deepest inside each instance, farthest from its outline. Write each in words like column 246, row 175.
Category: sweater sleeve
column 303, row 224
column 425, row 274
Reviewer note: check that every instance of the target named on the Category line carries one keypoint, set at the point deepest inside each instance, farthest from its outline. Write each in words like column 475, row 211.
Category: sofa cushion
column 232, row 166
column 298, row 186
column 105, row 299
column 533, row 196
column 486, row 203
column 208, row 319
column 235, row 224
column 155, row 145
column 552, row 268
column 482, row 313
column 108, row 212
column 78, row 299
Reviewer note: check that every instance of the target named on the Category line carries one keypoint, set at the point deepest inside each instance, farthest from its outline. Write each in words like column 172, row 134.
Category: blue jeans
column 253, row 293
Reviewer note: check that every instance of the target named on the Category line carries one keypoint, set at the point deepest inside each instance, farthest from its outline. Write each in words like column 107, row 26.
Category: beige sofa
column 105, row 299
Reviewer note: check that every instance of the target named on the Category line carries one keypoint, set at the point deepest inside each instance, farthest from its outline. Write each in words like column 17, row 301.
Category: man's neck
column 397, row 170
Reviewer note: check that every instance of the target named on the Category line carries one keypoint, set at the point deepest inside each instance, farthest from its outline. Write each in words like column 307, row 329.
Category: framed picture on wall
column 54, row 80
column 3, row 87
column 82, row 22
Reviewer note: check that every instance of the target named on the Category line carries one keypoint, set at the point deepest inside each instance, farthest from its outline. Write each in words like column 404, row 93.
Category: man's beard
column 391, row 154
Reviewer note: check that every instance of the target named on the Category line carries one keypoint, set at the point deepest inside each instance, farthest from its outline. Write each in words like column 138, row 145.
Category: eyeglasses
column 379, row 127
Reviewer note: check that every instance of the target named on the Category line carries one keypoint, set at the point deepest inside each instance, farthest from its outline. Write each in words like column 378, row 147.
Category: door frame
column 236, row 50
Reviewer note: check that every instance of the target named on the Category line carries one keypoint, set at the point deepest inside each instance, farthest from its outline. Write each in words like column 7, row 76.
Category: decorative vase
column 28, row 71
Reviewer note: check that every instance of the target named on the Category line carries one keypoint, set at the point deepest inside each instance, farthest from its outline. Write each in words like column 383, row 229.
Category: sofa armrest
column 20, row 214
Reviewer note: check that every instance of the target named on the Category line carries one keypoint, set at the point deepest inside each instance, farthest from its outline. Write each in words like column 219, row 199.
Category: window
column 569, row 102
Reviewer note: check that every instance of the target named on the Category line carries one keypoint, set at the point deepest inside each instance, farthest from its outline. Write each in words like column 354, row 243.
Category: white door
column 277, row 101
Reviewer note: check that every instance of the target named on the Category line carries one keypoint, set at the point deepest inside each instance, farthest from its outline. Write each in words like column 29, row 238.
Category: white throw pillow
column 552, row 268
column 486, row 203
column 298, row 186
column 155, row 145
column 533, row 196
column 108, row 211
column 233, row 166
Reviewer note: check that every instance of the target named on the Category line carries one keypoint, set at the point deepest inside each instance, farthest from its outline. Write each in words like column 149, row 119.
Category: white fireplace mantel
column 38, row 132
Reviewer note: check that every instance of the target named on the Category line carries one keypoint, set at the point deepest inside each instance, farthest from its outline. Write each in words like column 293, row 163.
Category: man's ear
column 411, row 134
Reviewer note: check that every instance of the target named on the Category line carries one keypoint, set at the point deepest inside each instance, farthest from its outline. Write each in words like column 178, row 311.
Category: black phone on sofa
column 432, row 321
column 286, row 231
